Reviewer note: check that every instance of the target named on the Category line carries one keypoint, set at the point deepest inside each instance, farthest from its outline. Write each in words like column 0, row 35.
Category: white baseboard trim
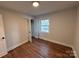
column 3, row 54
column 75, row 53
column 36, row 36
column 13, row 47
column 57, row 42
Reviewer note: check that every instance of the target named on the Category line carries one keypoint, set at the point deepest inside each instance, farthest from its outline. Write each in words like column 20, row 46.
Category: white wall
column 76, row 40
column 15, row 28
column 61, row 28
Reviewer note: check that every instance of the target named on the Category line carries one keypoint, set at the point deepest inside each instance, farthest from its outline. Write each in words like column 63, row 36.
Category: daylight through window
column 44, row 25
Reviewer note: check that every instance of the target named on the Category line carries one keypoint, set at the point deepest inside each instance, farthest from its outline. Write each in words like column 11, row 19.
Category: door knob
column 3, row 37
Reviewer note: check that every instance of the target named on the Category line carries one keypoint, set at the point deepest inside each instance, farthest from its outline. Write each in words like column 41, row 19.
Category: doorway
column 32, row 27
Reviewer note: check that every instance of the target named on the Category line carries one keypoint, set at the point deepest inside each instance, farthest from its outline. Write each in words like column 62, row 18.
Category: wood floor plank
column 40, row 49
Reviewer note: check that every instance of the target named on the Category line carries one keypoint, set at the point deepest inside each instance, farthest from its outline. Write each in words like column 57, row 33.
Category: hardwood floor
column 40, row 49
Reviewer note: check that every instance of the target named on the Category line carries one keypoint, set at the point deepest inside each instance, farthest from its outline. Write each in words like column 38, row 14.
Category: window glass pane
column 44, row 25
column 44, row 22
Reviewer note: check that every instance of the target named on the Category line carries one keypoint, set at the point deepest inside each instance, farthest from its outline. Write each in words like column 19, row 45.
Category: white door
column 29, row 30
column 3, row 50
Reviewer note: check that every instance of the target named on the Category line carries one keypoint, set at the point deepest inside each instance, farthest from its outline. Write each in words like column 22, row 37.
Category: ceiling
column 44, row 8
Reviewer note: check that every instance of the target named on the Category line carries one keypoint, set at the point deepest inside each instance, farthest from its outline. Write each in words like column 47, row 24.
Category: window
column 44, row 25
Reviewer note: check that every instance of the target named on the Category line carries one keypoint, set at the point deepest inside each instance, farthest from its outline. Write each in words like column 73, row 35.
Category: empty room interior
column 39, row 29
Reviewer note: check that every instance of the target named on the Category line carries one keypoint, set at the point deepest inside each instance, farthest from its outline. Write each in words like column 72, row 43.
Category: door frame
column 3, row 39
column 29, row 30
